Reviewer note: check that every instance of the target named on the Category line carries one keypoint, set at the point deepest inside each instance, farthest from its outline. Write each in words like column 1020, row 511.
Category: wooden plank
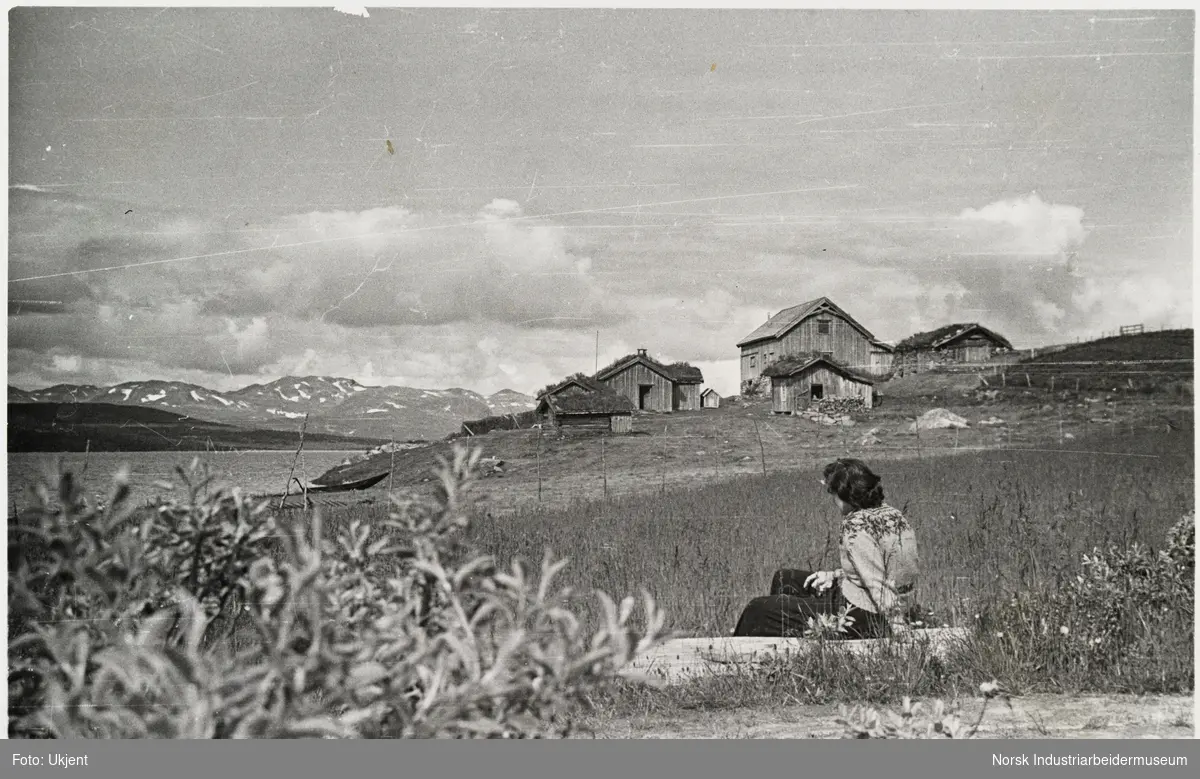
column 681, row 659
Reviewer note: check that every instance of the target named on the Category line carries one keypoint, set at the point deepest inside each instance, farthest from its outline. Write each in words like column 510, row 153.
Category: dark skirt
column 786, row 611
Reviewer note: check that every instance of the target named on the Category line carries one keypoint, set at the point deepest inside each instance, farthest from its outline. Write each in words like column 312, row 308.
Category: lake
column 256, row 472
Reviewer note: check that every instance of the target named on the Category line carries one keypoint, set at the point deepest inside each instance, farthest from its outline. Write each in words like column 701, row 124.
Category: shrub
column 1125, row 621
column 395, row 631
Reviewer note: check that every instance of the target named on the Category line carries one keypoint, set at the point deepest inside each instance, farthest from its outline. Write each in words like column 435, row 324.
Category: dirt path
column 1035, row 716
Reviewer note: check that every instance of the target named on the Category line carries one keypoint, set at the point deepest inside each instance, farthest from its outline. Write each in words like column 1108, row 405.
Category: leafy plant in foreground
column 397, row 630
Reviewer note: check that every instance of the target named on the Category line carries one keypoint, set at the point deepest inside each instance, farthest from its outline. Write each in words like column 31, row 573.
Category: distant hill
column 336, row 406
column 106, row 427
column 1145, row 362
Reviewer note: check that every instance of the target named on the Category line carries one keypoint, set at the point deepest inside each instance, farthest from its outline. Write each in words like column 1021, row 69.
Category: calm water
column 255, row 472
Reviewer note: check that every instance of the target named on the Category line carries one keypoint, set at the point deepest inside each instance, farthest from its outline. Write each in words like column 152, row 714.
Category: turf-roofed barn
column 819, row 326
column 799, row 380
column 582, row 403
column 652, row 385
column 958, row 344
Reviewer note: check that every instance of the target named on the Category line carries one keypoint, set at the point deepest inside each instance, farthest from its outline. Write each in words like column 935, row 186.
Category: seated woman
column 878, row 570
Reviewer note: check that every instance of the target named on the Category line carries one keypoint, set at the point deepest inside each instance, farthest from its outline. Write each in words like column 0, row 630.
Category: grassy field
column 989, row 523
column 684, row 450
column 1004, row 524
column 1001, row 533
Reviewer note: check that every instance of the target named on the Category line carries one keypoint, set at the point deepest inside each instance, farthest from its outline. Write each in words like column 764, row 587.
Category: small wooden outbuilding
column 964, row 344
column 710, row 399
column 582, row 403
column 654, row 386
column 798, row 381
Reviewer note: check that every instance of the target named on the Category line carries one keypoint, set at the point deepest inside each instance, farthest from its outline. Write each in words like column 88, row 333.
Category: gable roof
column 709, row 391
column 585, row 383
column 785, row 320
column 935, row 339
column 679, row 373
column 790, row 366
column 601, row 400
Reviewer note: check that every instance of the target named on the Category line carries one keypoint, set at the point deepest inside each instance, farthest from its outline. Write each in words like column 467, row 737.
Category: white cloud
column 487, row 299
column 66, row 364
column 1033, row 227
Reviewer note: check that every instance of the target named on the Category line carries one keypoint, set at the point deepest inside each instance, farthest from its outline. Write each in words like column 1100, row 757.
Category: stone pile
column 838, row 406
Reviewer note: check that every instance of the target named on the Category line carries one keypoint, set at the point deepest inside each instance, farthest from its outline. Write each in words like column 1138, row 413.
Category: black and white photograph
column 600, row 373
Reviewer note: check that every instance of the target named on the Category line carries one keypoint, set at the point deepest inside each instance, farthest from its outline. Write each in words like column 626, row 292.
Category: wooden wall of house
column 844, row 342
column 973, row 348
column 595, row 423
column 881, row 362
column 629, row 381
column 756, row 357
column 791, row 393
column 687, row 397
column 584, row 421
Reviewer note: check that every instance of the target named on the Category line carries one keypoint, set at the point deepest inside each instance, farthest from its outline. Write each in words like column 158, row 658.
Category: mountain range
column 334, row 405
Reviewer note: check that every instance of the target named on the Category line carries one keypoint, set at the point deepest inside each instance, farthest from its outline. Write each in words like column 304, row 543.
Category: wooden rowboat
column 349, row 486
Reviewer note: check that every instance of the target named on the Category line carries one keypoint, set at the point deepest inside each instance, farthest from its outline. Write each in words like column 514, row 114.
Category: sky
column 495, row 199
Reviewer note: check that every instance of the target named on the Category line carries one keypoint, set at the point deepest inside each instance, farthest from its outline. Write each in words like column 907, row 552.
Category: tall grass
column 1002, row 535
column 988, row 524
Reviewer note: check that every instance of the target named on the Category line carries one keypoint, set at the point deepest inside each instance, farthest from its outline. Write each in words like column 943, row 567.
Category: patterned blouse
column 879, row 560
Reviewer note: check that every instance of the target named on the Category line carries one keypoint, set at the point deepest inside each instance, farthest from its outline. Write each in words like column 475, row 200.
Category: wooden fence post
column 392, row 472
column 603, row 469
column 539, row 462
column 761, row 451
column 292, row 474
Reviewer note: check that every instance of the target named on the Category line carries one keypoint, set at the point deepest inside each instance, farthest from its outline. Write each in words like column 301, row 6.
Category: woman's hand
column 821, row 581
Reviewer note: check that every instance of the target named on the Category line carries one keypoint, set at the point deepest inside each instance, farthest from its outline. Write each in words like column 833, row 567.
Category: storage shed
column 710, row 399
column 963, row 345
column 796, row 382
column 654, row 386
column 581, row 403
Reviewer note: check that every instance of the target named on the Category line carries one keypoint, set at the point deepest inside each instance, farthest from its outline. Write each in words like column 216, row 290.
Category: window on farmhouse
column 823, row 326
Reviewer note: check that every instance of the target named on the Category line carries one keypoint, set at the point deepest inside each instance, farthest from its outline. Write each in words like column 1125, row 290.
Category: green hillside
column 1146, row 362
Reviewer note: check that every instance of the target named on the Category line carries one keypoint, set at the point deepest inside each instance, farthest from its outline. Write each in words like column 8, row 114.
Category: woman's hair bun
column 856, row 484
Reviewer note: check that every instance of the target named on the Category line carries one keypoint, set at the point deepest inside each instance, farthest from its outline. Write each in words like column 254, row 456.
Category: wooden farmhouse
column 581, row 403
column 818, row 326
column 798, row 381
column 653, row 386
column 957, row 344
column 710, row 399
